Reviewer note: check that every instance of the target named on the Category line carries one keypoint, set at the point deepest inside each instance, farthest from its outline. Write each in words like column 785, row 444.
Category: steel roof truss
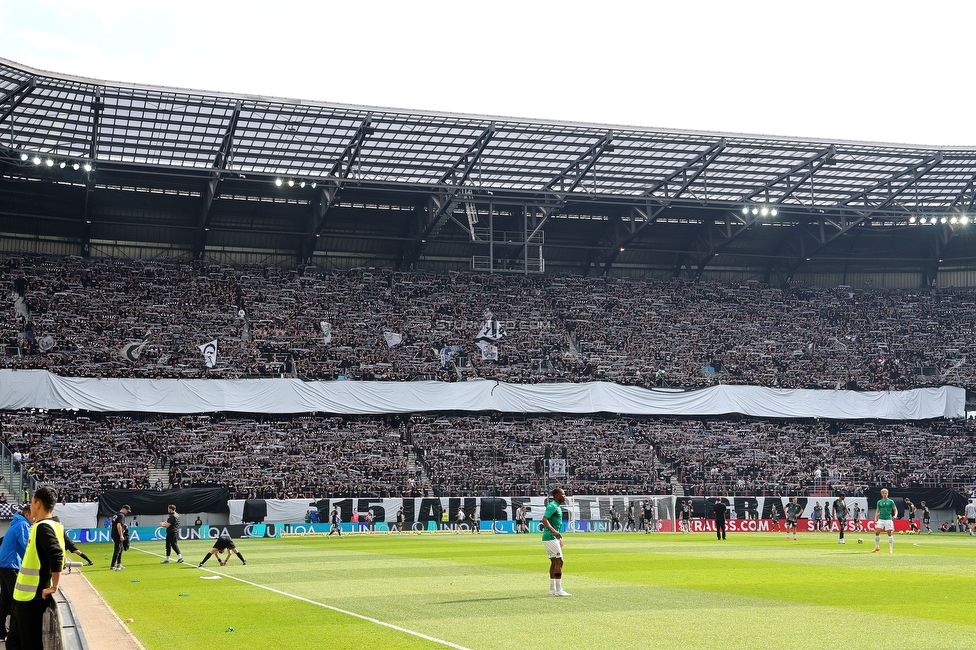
column 704, row 159
column 577, row 170
column 454, row 178
column 16, row 96
column 808, row 167
column 915, row 170
column 696, row 167
column 210, row 191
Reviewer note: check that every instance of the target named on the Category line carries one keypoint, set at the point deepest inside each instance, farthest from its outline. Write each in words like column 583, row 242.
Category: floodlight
column 755, row 210
column 963, row 219
column 912, row 219
column 774, row 212
column 36, row 160
column 49, row 162
column 953, row 220
column 745, row 210
column 943, row 220
column 76, row 167
column 921, row 220
column 62, row 164
column 764, row 211
column 87, row 167
column 24, row 157
column 302, row 184
column 278, row 182
column 291, row 182
column 314, row 184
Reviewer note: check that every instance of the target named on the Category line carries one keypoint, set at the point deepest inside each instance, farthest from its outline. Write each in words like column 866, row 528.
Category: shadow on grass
column 481, row 600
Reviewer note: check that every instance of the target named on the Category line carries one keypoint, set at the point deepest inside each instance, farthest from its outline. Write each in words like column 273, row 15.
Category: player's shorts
column 885, row 524
column 224, row 544
column 553, row 548
column 790, row 521
column 926, row 521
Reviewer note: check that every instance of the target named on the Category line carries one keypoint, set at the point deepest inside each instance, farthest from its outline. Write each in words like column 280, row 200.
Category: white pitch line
column 314, row 602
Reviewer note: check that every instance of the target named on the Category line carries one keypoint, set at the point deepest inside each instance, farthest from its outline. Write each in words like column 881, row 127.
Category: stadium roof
column 317, row 181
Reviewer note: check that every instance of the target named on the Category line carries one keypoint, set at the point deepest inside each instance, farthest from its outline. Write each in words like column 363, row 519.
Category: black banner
column 154, row 502
column 934, row 498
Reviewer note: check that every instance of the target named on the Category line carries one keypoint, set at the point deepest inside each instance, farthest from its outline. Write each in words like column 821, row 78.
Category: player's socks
column 205, row 558
column 552, row 586
column 86, row 559
column 877, row 541
column 242, row 558
column 891, row 544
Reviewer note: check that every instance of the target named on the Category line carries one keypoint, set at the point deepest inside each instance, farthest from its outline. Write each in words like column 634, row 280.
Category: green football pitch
column 490, row 591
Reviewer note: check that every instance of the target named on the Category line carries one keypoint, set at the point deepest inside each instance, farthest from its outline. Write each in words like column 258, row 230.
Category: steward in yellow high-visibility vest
column 39, row 574
column 29, row 578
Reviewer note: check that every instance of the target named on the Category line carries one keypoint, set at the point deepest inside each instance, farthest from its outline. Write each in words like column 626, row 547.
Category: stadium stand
column 319, row 456
column 267, row 322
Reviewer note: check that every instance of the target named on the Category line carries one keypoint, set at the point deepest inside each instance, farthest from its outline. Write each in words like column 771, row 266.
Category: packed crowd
column 319, row 456
column 75, row 316
column 260, row 457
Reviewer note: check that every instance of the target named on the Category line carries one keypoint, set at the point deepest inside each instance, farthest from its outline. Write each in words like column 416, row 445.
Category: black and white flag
column 488, row 337
column 209, row 351
column 392, row 339
column 132, row 351
column 326, row 331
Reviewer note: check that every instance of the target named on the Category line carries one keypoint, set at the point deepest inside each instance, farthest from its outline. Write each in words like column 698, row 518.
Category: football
column 860, row 541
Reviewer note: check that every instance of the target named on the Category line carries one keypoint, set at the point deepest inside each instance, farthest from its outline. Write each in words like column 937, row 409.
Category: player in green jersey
column 552, row 539
column 884, row 519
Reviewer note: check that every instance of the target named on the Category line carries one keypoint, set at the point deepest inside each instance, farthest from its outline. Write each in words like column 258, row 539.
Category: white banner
column 557, row 468
column 41, row 389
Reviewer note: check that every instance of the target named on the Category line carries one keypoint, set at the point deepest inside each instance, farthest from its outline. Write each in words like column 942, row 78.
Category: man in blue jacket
column 11, row 555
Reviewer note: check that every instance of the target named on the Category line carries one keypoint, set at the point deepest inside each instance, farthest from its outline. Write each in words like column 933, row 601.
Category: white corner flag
column 209, row 351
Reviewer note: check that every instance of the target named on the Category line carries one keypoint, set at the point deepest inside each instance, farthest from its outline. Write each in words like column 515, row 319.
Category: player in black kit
column 840, row 514
column 223, row 543
column 119, row 535
column 719, row 511
column 172, row 526
column 336, row 521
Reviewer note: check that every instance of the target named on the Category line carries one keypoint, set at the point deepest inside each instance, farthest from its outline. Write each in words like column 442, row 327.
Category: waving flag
column 209, row 351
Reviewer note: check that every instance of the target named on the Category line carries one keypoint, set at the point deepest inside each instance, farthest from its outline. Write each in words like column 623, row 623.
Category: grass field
column 489, row 591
